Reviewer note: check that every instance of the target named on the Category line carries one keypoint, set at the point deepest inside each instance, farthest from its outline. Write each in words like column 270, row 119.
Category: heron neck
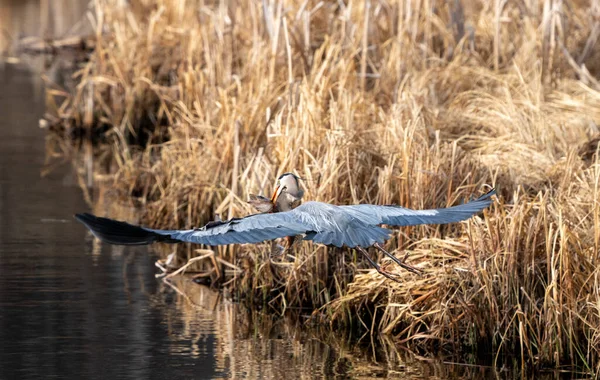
column 287, row 202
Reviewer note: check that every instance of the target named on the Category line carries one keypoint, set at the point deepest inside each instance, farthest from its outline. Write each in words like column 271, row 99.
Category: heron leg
column 283, row 250
column 375, row 265
column 289, row 249
column 289, row 243
column 401, row 263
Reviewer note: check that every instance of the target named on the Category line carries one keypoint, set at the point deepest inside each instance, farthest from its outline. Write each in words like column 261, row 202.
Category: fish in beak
column 261, row 204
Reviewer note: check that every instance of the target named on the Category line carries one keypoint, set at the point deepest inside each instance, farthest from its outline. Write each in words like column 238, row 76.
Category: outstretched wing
column 399, row 216
column 251, row 229
column 322, row 223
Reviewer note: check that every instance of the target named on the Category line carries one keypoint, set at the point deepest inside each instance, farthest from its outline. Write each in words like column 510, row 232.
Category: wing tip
column 84, row 218
column 488, row 195
column 80, row 217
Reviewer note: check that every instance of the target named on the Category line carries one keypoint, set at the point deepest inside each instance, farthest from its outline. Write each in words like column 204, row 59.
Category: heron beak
column 276, row 194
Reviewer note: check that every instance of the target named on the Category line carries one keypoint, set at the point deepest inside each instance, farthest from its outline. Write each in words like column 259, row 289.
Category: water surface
column 63, row 309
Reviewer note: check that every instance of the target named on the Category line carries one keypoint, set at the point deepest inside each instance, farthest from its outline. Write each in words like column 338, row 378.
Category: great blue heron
column 356, row 226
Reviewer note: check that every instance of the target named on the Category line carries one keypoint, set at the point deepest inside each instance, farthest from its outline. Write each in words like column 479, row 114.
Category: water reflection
column 42, row 19
column 253, row 345
column 249, row 344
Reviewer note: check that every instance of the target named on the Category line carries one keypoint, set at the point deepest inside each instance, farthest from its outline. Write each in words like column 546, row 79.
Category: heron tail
column 120, row 233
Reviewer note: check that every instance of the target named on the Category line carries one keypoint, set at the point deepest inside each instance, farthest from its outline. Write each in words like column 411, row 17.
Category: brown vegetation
column 416, row 103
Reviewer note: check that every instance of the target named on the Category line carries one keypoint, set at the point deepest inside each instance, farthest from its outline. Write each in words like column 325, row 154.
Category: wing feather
column 399, row 216
column 251, row 229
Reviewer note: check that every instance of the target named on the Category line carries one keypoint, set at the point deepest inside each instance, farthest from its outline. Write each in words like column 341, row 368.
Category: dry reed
column 408, row 102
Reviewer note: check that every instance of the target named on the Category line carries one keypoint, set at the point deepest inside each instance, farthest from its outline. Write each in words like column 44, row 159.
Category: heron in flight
column 355, row 226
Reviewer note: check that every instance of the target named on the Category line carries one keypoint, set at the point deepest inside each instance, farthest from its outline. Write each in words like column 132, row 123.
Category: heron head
column 288, row 193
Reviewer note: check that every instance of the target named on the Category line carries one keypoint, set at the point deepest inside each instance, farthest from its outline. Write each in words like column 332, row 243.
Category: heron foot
column 383, row 272
column 389, row 275
column 397, row 261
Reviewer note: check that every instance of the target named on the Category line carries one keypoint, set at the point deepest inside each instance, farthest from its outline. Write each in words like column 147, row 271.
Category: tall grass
column 416, row 103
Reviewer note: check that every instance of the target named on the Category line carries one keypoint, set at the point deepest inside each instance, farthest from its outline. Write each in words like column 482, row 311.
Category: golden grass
column 381, row 102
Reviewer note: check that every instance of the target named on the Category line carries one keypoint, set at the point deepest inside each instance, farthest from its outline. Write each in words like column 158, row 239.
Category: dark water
column 63, row 309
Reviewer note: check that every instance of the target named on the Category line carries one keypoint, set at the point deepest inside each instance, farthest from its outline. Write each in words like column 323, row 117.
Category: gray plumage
column 351, row 226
